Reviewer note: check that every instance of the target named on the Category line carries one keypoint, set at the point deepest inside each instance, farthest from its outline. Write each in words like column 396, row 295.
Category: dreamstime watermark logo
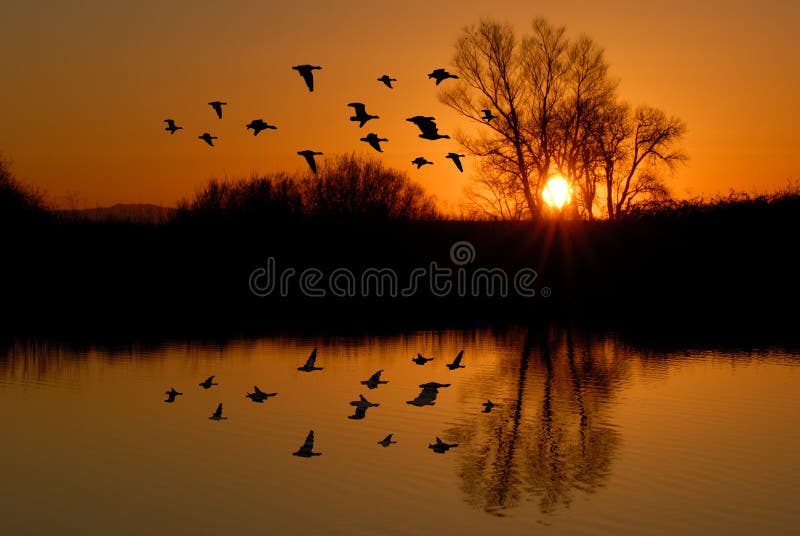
column 439, row 281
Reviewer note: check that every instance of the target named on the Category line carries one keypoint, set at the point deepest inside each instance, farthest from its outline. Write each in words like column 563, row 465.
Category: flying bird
column 434, row 385
column 217, row 416
column 171, row 394
column 306, row 450
column 374, row 141
column 374, row 381
column 419, row 360
column 309, row 366
column 309, row 156
column 488, row 405
column 307, row 72
column 420, row 161
column 456, row 364
column 258, row 395
column 171, row 127
column 207, row 383
column 456, row 158
column 386, row 79
column 359, row 414
column 361, row 115
column 386, row 441
column 208, row 138
column 427, row 125
column 488, row 115
column 217, row 105
column 258, row 125
column 441, row 447
column 440, row 75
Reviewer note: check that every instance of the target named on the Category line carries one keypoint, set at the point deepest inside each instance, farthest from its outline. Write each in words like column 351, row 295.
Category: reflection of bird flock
column 427, row 125
column 426, row 397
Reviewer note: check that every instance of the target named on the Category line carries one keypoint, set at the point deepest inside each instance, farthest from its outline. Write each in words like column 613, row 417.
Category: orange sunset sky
column 86, row 85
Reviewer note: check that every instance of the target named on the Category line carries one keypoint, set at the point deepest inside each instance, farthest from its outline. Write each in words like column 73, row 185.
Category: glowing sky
column 86, row 84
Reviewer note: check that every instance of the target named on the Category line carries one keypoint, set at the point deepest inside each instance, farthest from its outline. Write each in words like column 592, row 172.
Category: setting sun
column 557, row 192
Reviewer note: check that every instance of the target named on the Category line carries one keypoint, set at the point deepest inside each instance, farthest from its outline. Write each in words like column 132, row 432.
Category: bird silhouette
column 488, row 115
column 309, row 156
column 309, row 366
column 456, row 364
column 374, row 141
column 258, row 125
column 440, row 75
column 363, row 403
column 428, row 395
column 206, row 137
column 217, row 105
column 427, row 125
column 171, row 394
column 207, row 383
column 374, row 381
column 307, row 72
column 386, row 79
column 258, row 395
column 386, row 441
column 361, row 115
column 441, row 447
column 306, row 450
column 359, row 414
column 419, row 360
column 456, row 158
column 171, row 127
column 420, row 161
column 488, row 405
column 217, row 416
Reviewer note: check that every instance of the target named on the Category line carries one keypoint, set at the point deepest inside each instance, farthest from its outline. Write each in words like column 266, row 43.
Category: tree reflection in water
column 549, row 440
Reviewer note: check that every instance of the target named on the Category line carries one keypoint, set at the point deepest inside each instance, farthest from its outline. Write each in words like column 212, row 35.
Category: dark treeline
column 720, row 266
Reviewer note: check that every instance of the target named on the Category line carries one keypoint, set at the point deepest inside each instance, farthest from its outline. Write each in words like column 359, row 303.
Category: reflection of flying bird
column 428, row 395
column 171, row 394
column 171, row 128
column 307, row 72
column 456, row 158
column 309, row 366
column 258, row 125
column 217, row 416
column 427, row 125
column 258, row 395
column 440, row 75
column 217, row 105
column 386, row 79
column 361, row 115
column 208, row 138
column 420, row 161
column 456, row 362
column 207, row 383
column 309, row 156
column 488, row 115
column 441, row 447
column 374, row 381
column 306, row 450
column 386, row 441
column 363, row 403
column 419, row 360
column 374, row 141
column 488, row 405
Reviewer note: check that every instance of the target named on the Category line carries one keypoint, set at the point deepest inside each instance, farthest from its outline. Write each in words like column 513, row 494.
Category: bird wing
column 218, row 412
column 309, row 442
column 313, row 357
column 457, row 360
column 375, row 377
column 308, row 76
column 358, row 107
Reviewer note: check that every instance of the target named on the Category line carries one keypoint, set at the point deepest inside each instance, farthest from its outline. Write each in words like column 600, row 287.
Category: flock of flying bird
column 426, row 124
column 426, row 397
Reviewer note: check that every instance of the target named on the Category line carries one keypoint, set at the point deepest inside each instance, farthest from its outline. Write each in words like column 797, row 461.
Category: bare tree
column 521, row 82
column 633, row 147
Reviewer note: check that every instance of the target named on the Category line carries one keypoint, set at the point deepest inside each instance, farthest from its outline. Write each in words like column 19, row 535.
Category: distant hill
column 134, row 213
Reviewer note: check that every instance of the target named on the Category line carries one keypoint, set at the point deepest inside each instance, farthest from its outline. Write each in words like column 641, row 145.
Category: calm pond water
column 591, row 436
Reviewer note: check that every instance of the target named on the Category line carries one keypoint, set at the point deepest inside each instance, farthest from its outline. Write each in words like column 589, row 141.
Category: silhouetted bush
column 347, row 187
column 17, row 200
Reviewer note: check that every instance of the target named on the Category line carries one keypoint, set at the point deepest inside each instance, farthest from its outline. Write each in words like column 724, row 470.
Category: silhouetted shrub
column 16, row 199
